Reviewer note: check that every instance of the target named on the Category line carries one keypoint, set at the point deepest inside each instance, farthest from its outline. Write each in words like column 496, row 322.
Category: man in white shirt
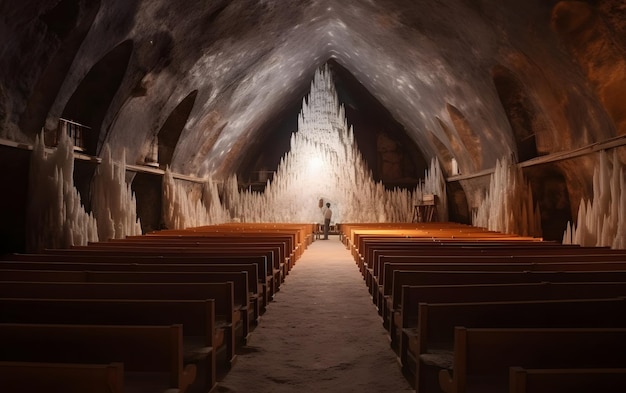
column 328, row 214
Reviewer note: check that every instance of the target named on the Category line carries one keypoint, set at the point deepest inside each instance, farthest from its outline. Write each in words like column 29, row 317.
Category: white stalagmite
column 601, row 222
column 508, row 206
column 56, row 217
column 181, row 211
column 113, row 202
column 323, row 163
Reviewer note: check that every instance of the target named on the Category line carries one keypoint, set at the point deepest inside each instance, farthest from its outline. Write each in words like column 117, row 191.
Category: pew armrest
column 188, row 377
column 446, row 381
column 442, row 359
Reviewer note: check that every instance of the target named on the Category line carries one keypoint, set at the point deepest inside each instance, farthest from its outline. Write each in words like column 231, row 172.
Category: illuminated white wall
column 323, row 163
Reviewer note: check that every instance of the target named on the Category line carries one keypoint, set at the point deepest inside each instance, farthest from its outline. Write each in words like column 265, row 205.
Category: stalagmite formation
column 508, row 206
column 113, row 202
column 601, row 221
column 323, row 163
column 56, row 217
column 179, row 211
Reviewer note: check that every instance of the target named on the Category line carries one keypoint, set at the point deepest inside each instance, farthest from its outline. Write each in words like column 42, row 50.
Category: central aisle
column 320, row 334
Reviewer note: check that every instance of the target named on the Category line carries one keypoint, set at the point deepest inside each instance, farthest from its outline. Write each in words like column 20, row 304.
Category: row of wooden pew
column 167, row 311
column 469, row 310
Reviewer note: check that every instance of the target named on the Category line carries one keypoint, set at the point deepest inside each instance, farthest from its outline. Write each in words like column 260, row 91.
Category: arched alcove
column 470, row 139
column 550, row 192
column 458, row 208
column 64, row 21
column 170, row 132
column 90, row 102
column 519, row 110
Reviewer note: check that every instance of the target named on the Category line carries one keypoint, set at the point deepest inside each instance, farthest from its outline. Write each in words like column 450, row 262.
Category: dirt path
column 320, row 334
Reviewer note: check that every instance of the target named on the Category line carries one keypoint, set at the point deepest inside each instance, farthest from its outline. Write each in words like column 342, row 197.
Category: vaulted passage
column 320, row 334
column 170, row 131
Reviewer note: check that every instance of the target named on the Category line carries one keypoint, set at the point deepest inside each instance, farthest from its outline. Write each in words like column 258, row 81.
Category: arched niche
column 519, row 111
column 550, row 193
column 90, row 102
column 169, row 134
column 71, row 25
column 470, row 140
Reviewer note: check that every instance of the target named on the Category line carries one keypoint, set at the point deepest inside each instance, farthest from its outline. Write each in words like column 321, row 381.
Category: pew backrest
column 61, row 377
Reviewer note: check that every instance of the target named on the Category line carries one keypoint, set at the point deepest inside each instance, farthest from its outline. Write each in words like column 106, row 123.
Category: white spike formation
column 113, row 202
column 180, row 210
column 323, row 164
column 601, row 222
column 56, row 217
column 508, row 206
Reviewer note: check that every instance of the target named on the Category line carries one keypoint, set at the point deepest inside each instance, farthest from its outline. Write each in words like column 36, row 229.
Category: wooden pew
column 567, row 380
column 412, row 278
column 549, row 265
column 255, row 289
column 472, row 249
column 152, row 355
column 408, row 316
column 490, row 255
column 32, row 377
column 226, row 315
column 441, row 236
column 408, row 246
column 482, row 356
column 262, row 265
column 204, row 256
column 242, row 300
column 435, row 333
column 295, row 238
column 276, row 251
column 287, row 250
column 201, row 338
column 241, row 297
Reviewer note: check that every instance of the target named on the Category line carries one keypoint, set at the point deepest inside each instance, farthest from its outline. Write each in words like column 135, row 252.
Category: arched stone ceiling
column 249, row 60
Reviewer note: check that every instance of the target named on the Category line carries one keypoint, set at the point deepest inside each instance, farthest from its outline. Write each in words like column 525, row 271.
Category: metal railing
column 76, row 131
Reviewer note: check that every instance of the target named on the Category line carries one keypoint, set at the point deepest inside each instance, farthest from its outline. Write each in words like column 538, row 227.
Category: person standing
column 328, row 214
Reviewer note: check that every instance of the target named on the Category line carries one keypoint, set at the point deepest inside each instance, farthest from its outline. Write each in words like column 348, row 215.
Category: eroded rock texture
column 219, row 82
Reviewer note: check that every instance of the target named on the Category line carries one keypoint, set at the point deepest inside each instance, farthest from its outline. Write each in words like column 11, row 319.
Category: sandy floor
column 320, row 334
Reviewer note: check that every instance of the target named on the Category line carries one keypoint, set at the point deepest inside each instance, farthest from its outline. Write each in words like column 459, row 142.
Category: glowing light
column 323, row 163
column 316, row 163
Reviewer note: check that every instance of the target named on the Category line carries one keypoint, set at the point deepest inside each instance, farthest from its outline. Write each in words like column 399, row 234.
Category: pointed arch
column 518, row 109
column 90, row 102
column 170, row 132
